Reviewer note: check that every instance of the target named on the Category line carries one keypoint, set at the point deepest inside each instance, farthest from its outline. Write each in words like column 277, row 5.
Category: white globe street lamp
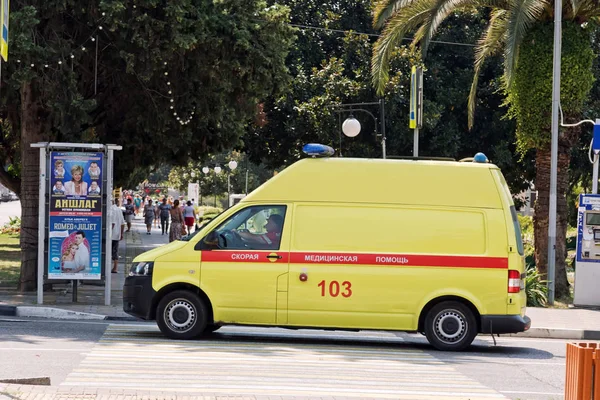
column 205, row 170
column 233, row 164
column 217, row 170
column 351, row 127
column 193, row 174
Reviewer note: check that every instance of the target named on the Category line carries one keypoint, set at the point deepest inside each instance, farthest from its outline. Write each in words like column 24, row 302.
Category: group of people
column 176, row 220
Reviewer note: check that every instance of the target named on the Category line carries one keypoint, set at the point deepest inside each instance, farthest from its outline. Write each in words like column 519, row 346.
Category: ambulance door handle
column 275, row 256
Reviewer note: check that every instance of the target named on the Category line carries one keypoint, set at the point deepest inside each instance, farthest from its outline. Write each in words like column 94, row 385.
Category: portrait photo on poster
column 76, row 253
column 75, row 223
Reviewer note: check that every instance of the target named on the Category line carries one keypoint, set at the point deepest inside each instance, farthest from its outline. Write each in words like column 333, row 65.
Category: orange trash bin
column 583, row 371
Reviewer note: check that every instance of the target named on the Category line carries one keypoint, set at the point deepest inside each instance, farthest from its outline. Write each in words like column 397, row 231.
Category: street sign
column 416, row 98
column 596, row 141
column 4, row 11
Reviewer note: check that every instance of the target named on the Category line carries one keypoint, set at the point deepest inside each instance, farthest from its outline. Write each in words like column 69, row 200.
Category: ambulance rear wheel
column 450, row 326
column 181, row 315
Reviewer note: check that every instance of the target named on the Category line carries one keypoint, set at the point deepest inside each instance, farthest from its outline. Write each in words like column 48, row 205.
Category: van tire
column 181, row 315
column 450, row 326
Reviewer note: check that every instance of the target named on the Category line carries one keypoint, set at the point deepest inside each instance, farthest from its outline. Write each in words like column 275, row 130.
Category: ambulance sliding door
column 333, row 282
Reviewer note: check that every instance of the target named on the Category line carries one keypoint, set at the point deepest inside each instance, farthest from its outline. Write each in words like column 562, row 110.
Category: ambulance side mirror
column 208, row 242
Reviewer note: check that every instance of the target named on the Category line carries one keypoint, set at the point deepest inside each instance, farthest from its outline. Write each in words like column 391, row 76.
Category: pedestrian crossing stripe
column 139, row 357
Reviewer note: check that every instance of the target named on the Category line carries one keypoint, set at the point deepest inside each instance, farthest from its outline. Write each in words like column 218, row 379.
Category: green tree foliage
column 530, row 97
column 303, row 114
column 519, row 30
column 212, row 61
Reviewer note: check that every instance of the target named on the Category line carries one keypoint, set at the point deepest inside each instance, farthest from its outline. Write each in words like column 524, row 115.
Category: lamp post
column 205, row 170
column 351, row 126
column 217, row 171
column 232, row 166
column 554, row 150
column 193, row 175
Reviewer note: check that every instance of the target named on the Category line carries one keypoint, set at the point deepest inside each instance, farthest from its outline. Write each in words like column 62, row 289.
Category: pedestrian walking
column 156, row 213
column 165, row 210
column 189, row 216
column 177, row 227
column 118, row 224
column 129, row 211
column 149, row 217
column 137, row 201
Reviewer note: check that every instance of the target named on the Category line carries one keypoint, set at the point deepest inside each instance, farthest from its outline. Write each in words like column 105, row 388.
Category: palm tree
column 521, row 30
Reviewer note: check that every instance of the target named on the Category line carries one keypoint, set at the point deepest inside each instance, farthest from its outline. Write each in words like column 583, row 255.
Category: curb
column 559, row 333
column 57, row 313
column 9, row 311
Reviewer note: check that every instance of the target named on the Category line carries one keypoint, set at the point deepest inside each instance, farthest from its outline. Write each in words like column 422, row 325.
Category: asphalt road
column 268, row 361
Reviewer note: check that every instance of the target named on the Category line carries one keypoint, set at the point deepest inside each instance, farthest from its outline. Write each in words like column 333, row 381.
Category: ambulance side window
column 253, row 228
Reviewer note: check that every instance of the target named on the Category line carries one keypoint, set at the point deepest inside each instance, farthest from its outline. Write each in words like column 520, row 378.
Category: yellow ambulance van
column 353, row 244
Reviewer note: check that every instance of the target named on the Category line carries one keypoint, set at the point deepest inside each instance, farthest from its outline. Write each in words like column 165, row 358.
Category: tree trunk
column 542, row 209
column 33, row 123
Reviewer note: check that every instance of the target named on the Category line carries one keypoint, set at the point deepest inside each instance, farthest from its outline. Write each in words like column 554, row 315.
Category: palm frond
column 385, row 9
column 491, row 42
column 396, row 28
column 494, row 4
column 576, row 5
column 522, row 15
column 584, row 8
column 440, row 10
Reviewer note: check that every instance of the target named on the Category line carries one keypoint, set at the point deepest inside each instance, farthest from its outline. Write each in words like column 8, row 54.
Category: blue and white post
column 587, row 259
column 596, row 151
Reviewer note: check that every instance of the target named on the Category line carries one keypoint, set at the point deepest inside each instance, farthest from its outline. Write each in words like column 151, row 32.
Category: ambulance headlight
column 143, row 268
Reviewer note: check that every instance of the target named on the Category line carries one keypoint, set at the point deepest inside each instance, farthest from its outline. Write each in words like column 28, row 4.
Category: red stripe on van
column 243, row 256
column 408, row 260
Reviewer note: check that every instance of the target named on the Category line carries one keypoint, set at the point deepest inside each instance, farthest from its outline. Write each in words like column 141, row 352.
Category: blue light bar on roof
column 480, row 158
column 317, row 150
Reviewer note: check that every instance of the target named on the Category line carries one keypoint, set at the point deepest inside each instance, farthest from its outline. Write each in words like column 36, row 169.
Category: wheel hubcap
column 180, row 315
column 450, row 326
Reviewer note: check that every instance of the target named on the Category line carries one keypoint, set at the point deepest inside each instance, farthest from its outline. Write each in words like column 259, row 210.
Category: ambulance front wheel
column 450, row 326
column 181, row 315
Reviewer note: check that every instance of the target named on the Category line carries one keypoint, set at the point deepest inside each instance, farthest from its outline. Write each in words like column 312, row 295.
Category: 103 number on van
column 335, row 288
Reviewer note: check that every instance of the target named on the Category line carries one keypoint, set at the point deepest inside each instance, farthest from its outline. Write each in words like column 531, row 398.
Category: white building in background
column 528, row 198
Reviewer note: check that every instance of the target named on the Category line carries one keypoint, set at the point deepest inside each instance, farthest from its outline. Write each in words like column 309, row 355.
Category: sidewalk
column 572, row 323
column 58, row 303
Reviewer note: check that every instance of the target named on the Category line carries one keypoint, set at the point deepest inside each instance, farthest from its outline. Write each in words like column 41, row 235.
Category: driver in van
column 271, row 238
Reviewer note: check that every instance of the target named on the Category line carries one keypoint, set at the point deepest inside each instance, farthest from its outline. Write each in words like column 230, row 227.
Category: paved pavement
column 572, row 323
column 90, row 304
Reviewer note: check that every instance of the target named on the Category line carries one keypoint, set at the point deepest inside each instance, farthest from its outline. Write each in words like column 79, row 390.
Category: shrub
column 12, row 227
column 535, row 288
column 208, row 212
